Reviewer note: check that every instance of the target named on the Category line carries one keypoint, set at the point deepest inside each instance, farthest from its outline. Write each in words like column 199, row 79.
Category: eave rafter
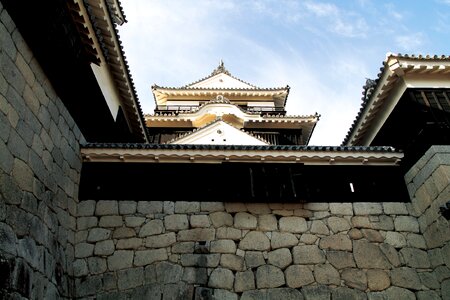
column 398, row 73
column 212, row 155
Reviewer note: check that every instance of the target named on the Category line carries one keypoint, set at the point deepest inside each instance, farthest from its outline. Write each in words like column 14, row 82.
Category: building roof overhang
column 101, row 19
column 398, row 73
column 164, row 94
column 182, row 153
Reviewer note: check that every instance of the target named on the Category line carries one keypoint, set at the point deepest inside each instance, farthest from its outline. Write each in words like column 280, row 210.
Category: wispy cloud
column 410, row 42
column 347, row 24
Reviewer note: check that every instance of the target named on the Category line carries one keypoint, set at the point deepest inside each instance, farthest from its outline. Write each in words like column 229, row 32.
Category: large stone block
column 176, row 222
column 168, row 273
column 223, row 246
column 127, row 207
column 268, row 276
column 280, row 258
column 84, row 250
column 406, row 278
column 153, row 227
column 367, row 208
column 212, row 206
column 267, row 222
column 8, row 239
column 319, row 227
column 378, row 280
column 298, row 276
column 97, row 265
column 229, row 233
column 344, row 293
column 326, row 274
column 104, row 248
column 221, row 218
column 406, row 223
column 107, row 207
column 341, row 259
column 345, row 209
column 111, row 221
column 293, row 224
column 255, row 240
column 183, row 247
column 131, row 243
column 396, row 239
column 132, row 221
column 415, row 258
column 121, row 259
column 200, row 260
column 258, row 208
column 98, row 234
column 232, row 262
column 201, row 221
column 316, row 292
column 130, row 278
column 243, row 220
column 159, row 241
column 399, row 293
column 395, row 208
column 283, row 240
column 196, row 234
column 221, row 278
column 368, row 255
column 195, row 275
column 391, row 254
column 355, row 278
column 308, row 254
column 146, row 257
column 184, row 207
column 336, row 242
column 123, row 232
column 86, row 208
column 254, row 259
column 244, row 281
column 150, row 207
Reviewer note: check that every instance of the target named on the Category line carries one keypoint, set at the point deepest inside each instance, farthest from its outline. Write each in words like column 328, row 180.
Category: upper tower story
column 223, row 109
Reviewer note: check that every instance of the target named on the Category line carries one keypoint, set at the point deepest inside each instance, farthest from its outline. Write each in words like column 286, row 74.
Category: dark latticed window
column 438, row 102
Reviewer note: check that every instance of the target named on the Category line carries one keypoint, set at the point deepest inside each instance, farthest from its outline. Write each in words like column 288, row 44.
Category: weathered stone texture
column 175, row 222
column 308, row 254
column 336, row 242
column 355, row 278
column 244, row 220
column 268, row 276
column 283, row 239
column 221, row 278
column 369, row 256
column 298, row 276
column 341, row 259
column 244, row 281
column 326, row 274
column 293, row 224
column 280, row 258
column 255, row 240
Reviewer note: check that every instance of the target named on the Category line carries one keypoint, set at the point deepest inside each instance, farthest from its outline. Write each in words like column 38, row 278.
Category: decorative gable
column 219, row 133
column 222, row 80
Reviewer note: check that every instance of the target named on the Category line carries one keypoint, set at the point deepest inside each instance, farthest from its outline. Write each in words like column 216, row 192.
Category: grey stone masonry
column 40, row 165
column 242, row 251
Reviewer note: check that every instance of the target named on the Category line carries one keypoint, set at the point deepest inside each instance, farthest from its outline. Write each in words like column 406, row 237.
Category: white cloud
column 410, row 42
column 347, row 24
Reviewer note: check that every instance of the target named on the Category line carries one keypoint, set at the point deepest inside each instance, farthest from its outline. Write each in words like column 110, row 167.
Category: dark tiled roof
column 371, row 85
column 239, row 147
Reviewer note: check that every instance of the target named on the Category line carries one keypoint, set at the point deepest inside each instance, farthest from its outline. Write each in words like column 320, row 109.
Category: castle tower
column 225, row 110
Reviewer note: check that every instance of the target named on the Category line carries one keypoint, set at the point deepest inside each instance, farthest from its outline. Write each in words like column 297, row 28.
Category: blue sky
column 324, row 50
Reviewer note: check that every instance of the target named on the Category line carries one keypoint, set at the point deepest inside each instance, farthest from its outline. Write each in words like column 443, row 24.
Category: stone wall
column 39, row 175
column 215, row 250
